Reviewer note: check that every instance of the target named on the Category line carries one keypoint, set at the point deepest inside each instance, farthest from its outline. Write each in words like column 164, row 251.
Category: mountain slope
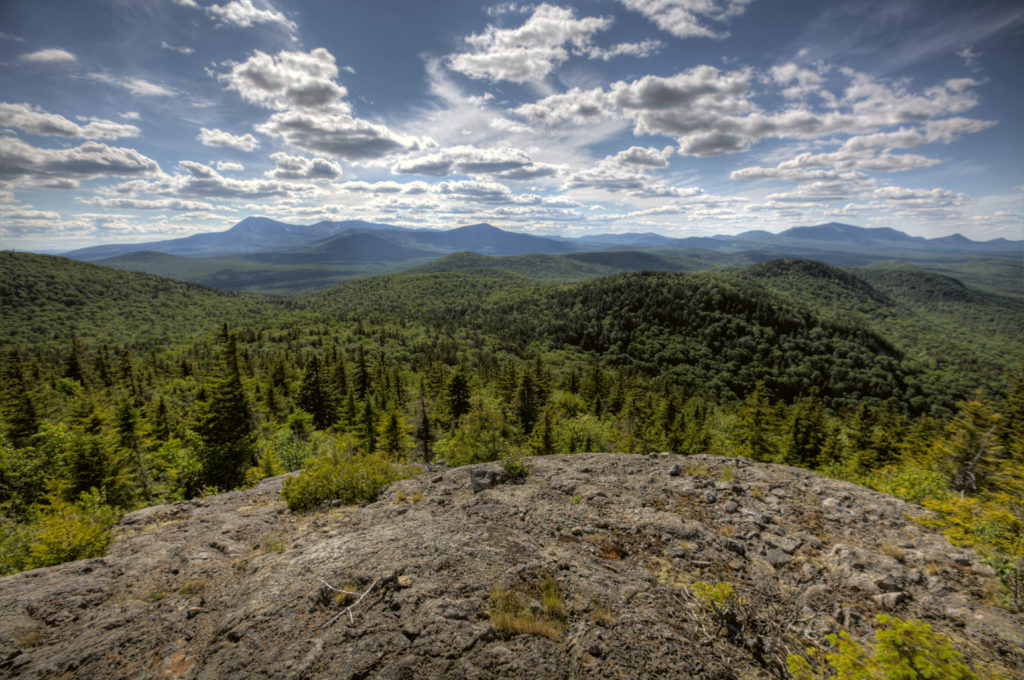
column 48, row 299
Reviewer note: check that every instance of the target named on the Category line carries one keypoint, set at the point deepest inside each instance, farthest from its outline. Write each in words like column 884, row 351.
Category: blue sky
column 135, row 120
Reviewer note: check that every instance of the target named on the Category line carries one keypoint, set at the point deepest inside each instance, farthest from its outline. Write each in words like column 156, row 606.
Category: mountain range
column 263, row 255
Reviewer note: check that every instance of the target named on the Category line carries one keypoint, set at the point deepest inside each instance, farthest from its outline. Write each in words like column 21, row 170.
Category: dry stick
column 348, row 609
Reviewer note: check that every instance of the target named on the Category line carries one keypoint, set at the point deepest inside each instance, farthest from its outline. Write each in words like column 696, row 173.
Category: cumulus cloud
column 24, row 163
column 338, row 135
column 626, row 171
column 641, row 49
column 303, row 80
column 243, row 13
column 531, row 51
column 35, row 121
column 50, row 56
column 202, row 181
column 175, row 204
column 215, row 137
column 311, row 112
column 575, row 106
column 505, row 162
column 230, row 165
column 300, row 168
column 682, row 18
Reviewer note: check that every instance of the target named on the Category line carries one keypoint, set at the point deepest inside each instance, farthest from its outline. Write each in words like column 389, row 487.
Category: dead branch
column 348, row 609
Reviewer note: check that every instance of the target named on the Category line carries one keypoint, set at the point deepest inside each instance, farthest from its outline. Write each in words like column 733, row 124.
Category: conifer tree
column 458, row 395
column 368, row 427
column 755, row 426
column 19, row 413
column 316, row 396
column 527, row 401
column 393, row 437
column 225, row 424
column 805, row 432
column 423, row 430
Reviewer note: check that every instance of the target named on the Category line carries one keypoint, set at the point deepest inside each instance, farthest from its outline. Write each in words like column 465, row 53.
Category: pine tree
column 755, row 426
column 424, row 435
column 527, row 401
column 458, row 395
column 393, row 437
column 74, row 362
column 19, row 414
column 368, row 427
column 805, row 432
column 316, row 396
column 226, row 424
column 127, row 426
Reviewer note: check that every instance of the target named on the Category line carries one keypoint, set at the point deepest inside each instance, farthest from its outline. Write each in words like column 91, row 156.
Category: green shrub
column 349, row 479
column 904, row 650
column 71, row 531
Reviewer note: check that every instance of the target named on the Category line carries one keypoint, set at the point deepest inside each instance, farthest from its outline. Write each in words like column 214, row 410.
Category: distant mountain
column 262, row 254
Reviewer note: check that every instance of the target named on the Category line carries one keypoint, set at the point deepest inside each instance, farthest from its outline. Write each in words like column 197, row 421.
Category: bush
column 350, row 479
column 71, row 531
column 904, row 650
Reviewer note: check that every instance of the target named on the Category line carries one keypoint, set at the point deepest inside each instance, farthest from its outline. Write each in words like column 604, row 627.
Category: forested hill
column 48, row 300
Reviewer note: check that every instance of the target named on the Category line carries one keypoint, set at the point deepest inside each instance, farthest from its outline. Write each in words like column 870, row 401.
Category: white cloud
column 300, row 168
column 137, row 86
column 311, row 112
column 970, row 57
column 531, row 51
column 62, row 168
column 175, row 204
column 641, row 49
column 50, row 56
column 574, row 106
column 338, row 134
column 215, row 137
column 131, row 115
column 35, row 121
column 243, row 13
column 505, row 162
column 303, row 80
column 682, row 18
column 183, row 50
column 202, row 181
column 230, row 165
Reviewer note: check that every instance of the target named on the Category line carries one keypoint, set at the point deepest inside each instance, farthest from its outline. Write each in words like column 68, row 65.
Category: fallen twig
column 348, row 609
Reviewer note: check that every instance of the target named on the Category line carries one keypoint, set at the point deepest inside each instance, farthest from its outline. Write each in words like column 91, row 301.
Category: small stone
column 481, row 479
column 734, row 546
column 710, row 497
column 889, row 600
column 731, row 506
column 675, row 471
column 777, row 558
column 404, row 581
column 595, row 649
column 784, row 543
column 436, row 478
column 193, row 612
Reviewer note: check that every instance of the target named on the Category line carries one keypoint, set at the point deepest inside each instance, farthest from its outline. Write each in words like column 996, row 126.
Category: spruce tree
column 225, row 424
column 19, row 414
column 316, row 396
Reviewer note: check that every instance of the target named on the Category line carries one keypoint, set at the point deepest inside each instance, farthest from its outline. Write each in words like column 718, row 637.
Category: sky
column 137, row 120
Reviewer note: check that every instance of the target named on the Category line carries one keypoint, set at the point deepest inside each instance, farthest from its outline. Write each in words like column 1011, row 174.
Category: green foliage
column 904, row 650
column 350, row 479
column 994, row 526
column 64, row 532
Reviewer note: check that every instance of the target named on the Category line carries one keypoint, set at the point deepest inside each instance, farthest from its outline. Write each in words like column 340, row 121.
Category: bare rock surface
column 236, row 586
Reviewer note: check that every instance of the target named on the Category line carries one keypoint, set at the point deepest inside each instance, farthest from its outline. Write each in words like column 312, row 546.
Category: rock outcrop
column 236, row 586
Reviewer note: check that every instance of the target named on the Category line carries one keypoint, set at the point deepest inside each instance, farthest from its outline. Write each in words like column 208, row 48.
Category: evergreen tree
column 527, row 401
column 19, row 414
column 127, row 426
column 362, row 374
column 424, row 435
column 316, row 396
column 458, row 395
column 74, row 362
column 754, row 427
column 368, row 427
column 393, row 437
column 805, row 432
column 970, row 452
column 225, row 424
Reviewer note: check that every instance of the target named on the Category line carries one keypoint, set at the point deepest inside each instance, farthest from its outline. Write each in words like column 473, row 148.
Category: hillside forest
column 121, row 390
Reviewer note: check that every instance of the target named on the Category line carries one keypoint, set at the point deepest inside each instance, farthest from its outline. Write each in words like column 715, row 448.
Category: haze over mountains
column 263, row 255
